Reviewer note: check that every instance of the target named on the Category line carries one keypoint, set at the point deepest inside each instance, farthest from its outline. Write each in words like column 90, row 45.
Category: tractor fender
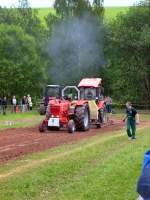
column 81, row 102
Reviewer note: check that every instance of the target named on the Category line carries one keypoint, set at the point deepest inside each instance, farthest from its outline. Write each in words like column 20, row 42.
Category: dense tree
column 32, row 40
column 69, row 8
column 128, row 48
column 21, row 67
column 98, row 7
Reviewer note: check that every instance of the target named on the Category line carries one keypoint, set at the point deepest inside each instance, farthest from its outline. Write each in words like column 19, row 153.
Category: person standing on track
column 131, row 121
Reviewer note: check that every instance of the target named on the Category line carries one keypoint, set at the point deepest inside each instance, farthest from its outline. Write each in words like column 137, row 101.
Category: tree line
column 123, row 45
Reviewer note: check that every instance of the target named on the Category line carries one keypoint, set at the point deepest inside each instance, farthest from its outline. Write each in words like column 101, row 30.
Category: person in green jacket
column 131, row 121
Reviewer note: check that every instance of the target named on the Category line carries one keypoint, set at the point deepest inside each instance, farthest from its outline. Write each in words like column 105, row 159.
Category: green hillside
column 110, row 12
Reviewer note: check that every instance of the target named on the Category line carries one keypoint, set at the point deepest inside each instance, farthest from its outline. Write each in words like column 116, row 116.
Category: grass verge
column 19, row 120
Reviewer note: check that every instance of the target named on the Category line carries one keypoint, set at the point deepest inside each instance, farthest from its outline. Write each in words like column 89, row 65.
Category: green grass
column 43, row 12
column 18, row 120
column 102, row 167
column 110, row 12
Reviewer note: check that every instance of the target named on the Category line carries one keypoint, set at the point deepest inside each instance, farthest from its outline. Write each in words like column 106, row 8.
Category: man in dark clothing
column 4, row 105
column 131, row 122
column 23, row 103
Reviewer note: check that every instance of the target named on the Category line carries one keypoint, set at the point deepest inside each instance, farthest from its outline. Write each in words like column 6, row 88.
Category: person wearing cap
column 143, row 185
column 131, row 121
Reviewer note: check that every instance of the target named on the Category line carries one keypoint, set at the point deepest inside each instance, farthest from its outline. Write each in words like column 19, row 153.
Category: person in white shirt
column 29, row 99
column 14, row 104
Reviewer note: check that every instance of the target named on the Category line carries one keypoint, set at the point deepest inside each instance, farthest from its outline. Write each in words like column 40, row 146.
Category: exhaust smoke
column 76, row 50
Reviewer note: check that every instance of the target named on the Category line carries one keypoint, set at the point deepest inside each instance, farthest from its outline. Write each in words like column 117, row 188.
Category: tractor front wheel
column 71, row 126
column 42, row 127
column 82, row 118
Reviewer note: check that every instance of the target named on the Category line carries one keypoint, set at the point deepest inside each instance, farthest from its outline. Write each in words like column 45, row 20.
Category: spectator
column 26, row 104
column 23, row 103
column 108, row 108
column 143, row 185
column 14, row 104
column 29, row 102
column 4, row 105
column 108, row 103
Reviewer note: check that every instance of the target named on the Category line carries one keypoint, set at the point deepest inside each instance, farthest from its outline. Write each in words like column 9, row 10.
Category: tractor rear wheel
column 71, row 126
column 82, row 118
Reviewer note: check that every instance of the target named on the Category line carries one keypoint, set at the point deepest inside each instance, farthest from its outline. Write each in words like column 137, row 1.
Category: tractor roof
column 90, row 82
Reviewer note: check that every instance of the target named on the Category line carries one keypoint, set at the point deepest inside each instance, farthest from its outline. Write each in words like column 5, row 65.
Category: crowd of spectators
column 17, row 105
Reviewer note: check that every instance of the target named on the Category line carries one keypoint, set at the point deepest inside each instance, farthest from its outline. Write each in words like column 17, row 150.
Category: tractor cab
column 50, row 92
column 91, row 88
column 53, row 91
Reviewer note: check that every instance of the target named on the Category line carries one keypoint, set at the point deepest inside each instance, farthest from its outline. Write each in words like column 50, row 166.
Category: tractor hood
column 90, row 82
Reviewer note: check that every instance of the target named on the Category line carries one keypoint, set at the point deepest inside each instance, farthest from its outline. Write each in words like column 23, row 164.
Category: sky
column 49, row 3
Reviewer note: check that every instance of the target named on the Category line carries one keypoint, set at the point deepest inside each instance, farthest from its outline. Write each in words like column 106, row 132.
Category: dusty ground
column 21, row 141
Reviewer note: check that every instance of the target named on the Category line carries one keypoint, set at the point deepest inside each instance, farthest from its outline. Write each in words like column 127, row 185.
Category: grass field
column 43, row 12
column 29, row 119
column 103, row 167
column 17, row 120
column 110, row 12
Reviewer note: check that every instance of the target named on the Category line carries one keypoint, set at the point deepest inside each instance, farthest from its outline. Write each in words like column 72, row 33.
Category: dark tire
column 82, row 118
column 71, row 126
column 42, row 127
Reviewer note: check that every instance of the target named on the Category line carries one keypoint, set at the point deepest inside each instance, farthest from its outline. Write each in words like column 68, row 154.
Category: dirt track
column 17, row 142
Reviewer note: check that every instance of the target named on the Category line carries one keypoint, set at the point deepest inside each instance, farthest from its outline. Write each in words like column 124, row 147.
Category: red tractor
column 87, row 108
